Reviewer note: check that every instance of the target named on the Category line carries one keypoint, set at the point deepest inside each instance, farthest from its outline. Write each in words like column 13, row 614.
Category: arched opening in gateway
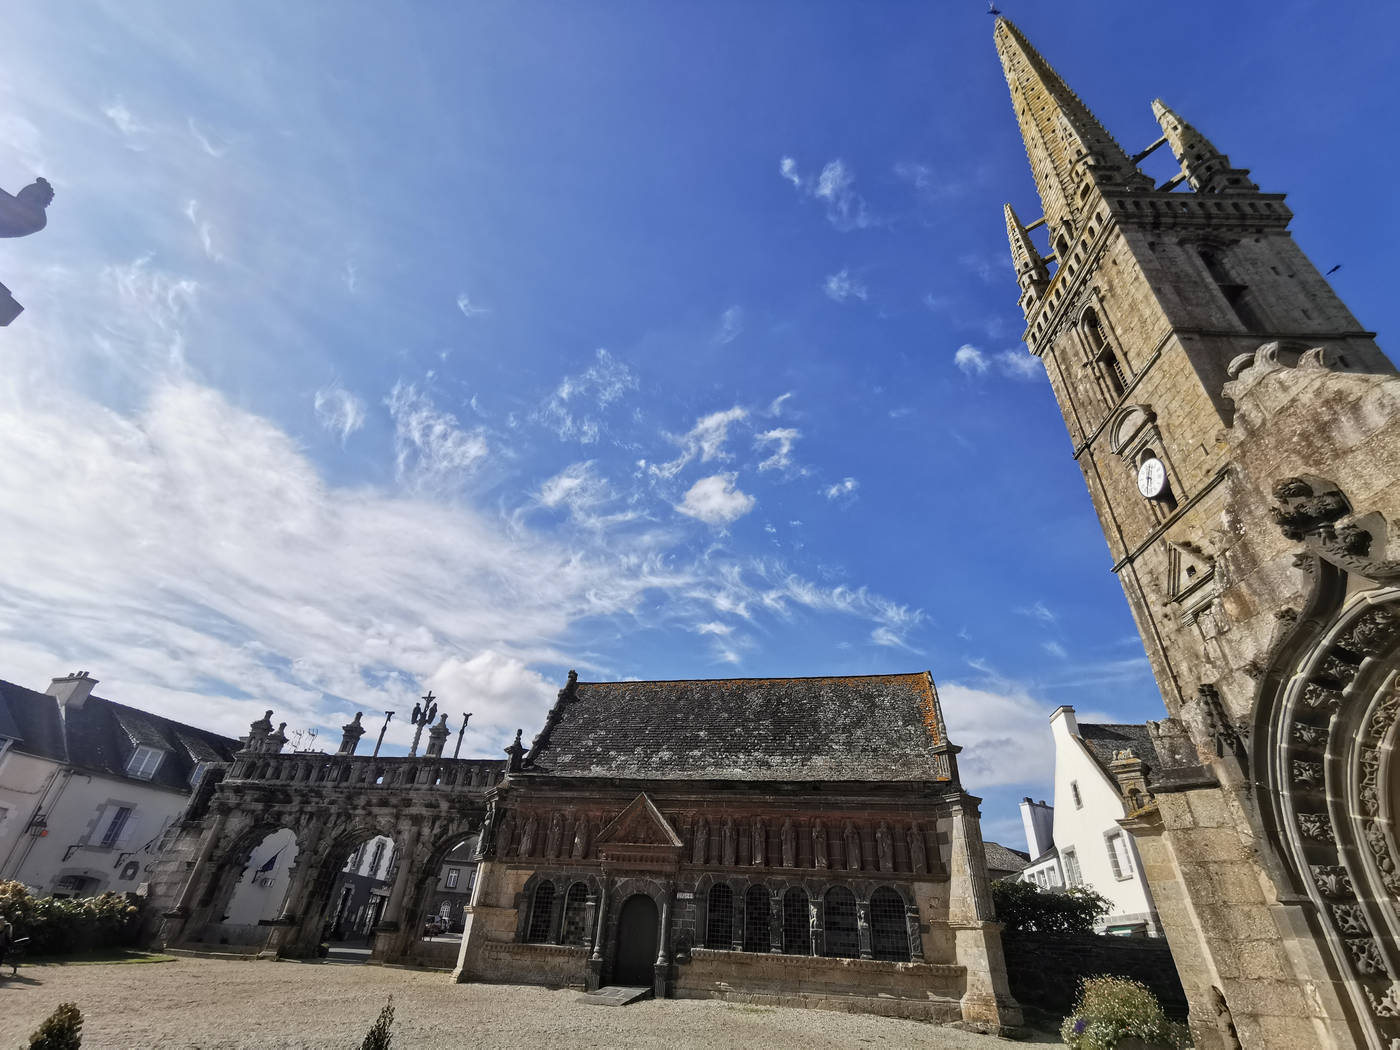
column 358, row 894
column 260, row 892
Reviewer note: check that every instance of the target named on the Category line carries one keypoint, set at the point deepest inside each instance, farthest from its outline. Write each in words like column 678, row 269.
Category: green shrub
column 62, row 926
column 1114, row 1008
column 1023, row 907
column 379, row 1036
column 62, row 1031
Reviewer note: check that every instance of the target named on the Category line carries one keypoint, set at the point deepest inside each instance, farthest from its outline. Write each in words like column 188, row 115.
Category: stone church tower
column 1239, row 432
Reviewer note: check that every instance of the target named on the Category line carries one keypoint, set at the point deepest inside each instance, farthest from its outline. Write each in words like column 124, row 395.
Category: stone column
column 594, row 979
column 307, row 842
column 775, row 921
column 392, row 918
column 173, row 924
column 977, row 936
column 863, row 927
column 663, row 944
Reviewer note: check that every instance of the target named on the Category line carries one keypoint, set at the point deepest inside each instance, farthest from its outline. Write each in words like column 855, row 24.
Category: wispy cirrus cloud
column 841, row 287
column 704, row 441
column 1012, row 364
column 573, row 409
column 731, row 325
column 781, row 441
column 432, row 450
column 468, row 308
column 843, row 490
column 339, row 411
column 834, row 187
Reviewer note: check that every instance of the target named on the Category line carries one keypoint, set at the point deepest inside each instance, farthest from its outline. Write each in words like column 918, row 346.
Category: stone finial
column 350, row 735
column 437, row 737
column 258, row 732
column 516, row 752
column 278, row 740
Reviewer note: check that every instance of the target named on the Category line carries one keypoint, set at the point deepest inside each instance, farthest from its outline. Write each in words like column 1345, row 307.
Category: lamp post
column 423, row 714
column 465, row 718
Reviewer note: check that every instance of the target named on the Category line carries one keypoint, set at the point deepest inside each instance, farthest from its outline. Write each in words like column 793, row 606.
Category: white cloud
column 339, row 411
column 122, row 118
column 834, row 186
column 971, row 360
column 1055, row 649
column 432, row 450
column 585, row 495
column 1019, row 364
column 468, row 308
column 888, row 637
column 843, row 489
column 568, row 410
column 1039, row 611
column 781, row 439
column 705, row 439
column 203, row 229
column 351, row 277
column 731, row 324
column 714, row 627
column 842, row 286
column 1004, row 734
column 204, row 143
column 775, row 407
column 715, row 500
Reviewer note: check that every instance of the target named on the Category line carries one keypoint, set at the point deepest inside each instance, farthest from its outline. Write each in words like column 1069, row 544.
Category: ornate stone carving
column 1332, row 880
column 918, row 852
column 819, row 845
column 1376, row 633
column 579, row 850
column 1366, row 955
column 758, row 841
column 1337, row 670
column 852, row 847
column 1380, row 849
column 1317, row 696
column 527, row 837
column 1309, row 736
column 1301, row 509
column 884, row 847
column 554, row 836
column 1387, row 1005
column 789, row 842
column 700, row 847
column 1308, row 774
column 504, row 828
column 1350, row 919
column 728, row 842
column 1316, row 826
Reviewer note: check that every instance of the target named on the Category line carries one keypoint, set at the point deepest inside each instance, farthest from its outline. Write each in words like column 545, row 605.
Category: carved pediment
column 640, row 824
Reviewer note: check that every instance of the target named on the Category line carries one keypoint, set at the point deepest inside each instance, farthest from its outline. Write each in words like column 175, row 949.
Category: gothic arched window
column 1101, row 352
column 889, row 933
column 575, row 929
column 842, row 933
column 797, row 923
column 541, row 912
column 719, row 917
column 756, row 938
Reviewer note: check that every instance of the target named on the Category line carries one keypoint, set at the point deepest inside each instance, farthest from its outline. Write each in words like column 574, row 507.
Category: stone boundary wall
column 919, row 991
column 1045, row 971
column 552, row 965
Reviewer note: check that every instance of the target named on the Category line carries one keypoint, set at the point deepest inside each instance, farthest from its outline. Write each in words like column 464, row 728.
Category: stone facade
column 1239, row 433
column 819, row 851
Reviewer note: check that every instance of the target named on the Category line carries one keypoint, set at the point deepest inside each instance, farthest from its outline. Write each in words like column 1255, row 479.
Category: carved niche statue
column 819, row 845
column 758, row 841
column 728, row 836
column 852, row 847
column 884, row 847
column 702, row 841
column 23, row 213
column 504, row 829
column 527, row 837
column 554, row 835
column 789, row 844
column 918, row 853
column 580, row 848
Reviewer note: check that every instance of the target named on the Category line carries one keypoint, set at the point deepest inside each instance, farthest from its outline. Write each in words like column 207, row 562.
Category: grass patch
column 99, row 958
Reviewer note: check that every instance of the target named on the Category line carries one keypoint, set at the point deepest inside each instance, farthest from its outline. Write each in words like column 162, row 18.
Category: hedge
column 63, row 926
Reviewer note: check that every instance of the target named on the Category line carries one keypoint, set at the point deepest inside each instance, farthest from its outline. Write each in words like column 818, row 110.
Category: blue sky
column 371, row 349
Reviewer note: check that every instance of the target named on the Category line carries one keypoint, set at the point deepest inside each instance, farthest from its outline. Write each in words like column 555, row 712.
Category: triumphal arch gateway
column 1239, row 433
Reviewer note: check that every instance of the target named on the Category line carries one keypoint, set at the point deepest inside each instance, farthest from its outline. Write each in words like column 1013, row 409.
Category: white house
column 1077, row 841
column 88, row 786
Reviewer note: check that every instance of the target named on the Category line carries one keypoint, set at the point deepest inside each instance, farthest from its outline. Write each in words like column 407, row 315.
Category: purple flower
column 1079, row 1025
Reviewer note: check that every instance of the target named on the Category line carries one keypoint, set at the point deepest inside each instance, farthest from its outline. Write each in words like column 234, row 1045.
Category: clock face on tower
column 1152, row 478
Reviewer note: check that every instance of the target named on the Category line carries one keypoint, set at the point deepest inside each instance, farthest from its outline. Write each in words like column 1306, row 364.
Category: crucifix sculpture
column 20, row 215
column 423, row 714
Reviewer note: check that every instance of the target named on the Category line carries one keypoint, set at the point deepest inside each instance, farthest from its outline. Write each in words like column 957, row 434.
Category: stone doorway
column 634, row 960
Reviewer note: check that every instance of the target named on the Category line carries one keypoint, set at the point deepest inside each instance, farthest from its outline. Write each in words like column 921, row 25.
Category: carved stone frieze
column 1350, row 919
column 1316, row 695
column 1308, row 736
column 1387, row 1005
column 1379, row 843
column 1316, row 512
column 1332, row 880
column 1366, row 954
column 1308, row 774
column 1316, row 826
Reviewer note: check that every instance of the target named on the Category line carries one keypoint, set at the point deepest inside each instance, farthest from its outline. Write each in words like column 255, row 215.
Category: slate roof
column 101, row 735
column 866, row 728
column 1003, row 859
column 1105, row 739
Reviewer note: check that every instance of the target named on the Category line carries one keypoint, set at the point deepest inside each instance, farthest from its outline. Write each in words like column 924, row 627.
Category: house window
column 454, row 875
column 575, row 915
column 113, row 835
column 144, row 762
column 1074, row 790
column 375, row 858
column 797, row 923
column 889, row 932
column 719, row 918
column 1072, row 875
column 197, row 774
column 541, row 911
column 756, row 938
column 1119, row 855
column 842, row 934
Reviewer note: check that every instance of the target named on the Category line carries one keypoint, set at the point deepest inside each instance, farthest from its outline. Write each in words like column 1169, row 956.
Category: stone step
column 615, row 995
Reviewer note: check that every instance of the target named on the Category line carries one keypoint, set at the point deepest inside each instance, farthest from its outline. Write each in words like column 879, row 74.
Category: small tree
column 379, row 1036
column 1023, row 907
column 62, row 1031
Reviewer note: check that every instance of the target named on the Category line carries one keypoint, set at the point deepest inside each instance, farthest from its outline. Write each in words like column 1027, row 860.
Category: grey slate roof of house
column 868, row 728
column 1105, row 739
column 1003, row 859
column 101, row 736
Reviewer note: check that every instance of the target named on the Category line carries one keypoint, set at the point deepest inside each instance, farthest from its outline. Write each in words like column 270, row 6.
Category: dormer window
column 144, row 762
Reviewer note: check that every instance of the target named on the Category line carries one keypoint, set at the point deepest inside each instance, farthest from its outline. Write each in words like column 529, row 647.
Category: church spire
column 1069, row 149
column 1031, row 272
column 1205, row 167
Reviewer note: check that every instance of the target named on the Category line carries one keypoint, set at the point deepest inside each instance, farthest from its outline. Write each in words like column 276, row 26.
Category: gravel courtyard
column 211, row 1003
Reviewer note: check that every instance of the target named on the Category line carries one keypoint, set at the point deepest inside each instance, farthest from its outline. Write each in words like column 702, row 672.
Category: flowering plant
column 1111, row 1009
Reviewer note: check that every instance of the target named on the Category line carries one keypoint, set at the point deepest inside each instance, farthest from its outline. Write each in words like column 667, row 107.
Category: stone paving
column 215, row 1003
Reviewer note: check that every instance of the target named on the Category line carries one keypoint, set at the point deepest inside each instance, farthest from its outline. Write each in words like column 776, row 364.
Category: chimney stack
column 72, row 690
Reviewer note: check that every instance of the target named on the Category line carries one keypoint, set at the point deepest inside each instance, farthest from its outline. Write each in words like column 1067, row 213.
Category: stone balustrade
column 367, row 772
